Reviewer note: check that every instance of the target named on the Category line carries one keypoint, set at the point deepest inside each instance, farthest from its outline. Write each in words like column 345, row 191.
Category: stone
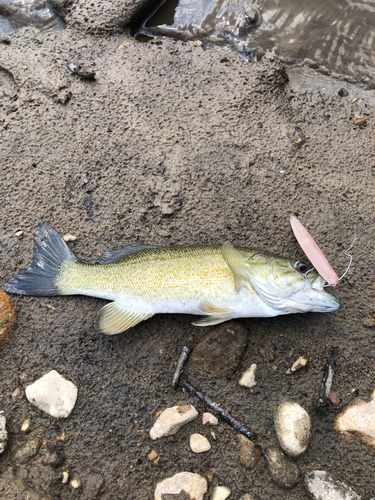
column 249, row 452
column 322, row 486
column 301, row 362
column 53, row 394
column 64, row 477
column 19, row 234
column 8, row 319
column 199, row 443
column 208, row 418
column 248, row 377
column 220, row 493
column 192, row 484
column 293, row 428
column 49, row 455
column 69, row 237
column 25, row 427
column 221, row 350
column 154, row 457
column 247, row 496
column 284, row 472
column 3, row 432
column 172, row 419
column 76, row 483
column 28, row 451
column 359, row 418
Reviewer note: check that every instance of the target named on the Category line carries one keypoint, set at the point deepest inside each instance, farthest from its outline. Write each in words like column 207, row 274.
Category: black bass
column 217, row 282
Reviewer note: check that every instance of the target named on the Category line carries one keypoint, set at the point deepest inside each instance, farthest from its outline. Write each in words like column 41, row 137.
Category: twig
column 223, row 413
column 323, row 399
column 180, row 365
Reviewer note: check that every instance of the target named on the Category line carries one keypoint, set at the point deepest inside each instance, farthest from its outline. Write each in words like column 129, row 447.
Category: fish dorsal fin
column 209, row 308
column 211, row 320
column 114, row 318
column 237, row 265
column 112, row 256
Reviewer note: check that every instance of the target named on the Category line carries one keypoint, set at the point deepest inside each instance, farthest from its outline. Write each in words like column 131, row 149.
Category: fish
column 219, row 283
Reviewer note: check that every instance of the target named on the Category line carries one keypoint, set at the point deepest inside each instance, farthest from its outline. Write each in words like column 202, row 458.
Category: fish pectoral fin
column 114, row 318
column 237, row 265
column 211, row 320
column 212, row 309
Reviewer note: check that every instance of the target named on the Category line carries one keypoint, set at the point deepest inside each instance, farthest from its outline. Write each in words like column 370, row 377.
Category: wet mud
column 173, row 143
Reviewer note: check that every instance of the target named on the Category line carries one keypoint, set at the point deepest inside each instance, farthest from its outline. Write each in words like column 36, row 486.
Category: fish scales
column 157, row 274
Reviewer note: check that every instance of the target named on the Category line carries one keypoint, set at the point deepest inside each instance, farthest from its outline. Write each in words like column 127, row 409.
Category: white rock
column 248, row 377
column 220, row 493
column 3, row 432
column 172, row 419
column 53, row 394
column 75, row 483
column 199, row 443
column 293, row 426
column 193, row 484
column 360, row 419
column 208, row 418
column 323, row 487
column 65, row 477
column 26, row 425
column 297, row 365
column 69, row 237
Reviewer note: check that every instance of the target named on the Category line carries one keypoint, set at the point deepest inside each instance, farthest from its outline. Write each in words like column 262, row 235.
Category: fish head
column 285, row 285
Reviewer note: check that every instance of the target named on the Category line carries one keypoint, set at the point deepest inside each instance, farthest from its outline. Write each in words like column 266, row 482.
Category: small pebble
column 247, row 496
column 27, row 451
column 192, row 484
column 334, row 398
column 284, row 472
column 248, row 377
column 293, row 426
column 208, row 418
column 154, row 457
column 26, row 426
column 76, row 483
column 65, row 477
column 369, row 323
column 172, row 419
column 17, row 394
column 53, row 394
column 250, row 454
column 199, row 443
column 19, row 234
column 8, row 319
column 220, row 493
column 69, row 237
column 359, row 418
column 297, row 365
column 322, row 486
column 3, row 432
column 50, row 456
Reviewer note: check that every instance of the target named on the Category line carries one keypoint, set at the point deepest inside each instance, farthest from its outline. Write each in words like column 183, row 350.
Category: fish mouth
column 318, row 299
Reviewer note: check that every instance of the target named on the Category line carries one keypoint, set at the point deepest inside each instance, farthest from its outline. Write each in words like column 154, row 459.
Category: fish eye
column 300, row 266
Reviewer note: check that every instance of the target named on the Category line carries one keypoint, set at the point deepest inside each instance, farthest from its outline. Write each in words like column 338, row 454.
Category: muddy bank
column 172, row 144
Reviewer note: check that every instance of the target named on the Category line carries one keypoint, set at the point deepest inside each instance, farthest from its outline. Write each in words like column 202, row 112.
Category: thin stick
column 223, row 413
column 180, row 365
column 323, row 399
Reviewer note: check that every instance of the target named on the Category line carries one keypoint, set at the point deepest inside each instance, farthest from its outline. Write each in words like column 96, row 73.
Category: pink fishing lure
column 313, row 252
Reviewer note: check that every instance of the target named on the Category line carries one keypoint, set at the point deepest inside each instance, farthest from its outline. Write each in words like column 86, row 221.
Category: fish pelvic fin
column 237, row 265
column 114, row 318
column 211, row 320
column 51, row 254
column 209, row 308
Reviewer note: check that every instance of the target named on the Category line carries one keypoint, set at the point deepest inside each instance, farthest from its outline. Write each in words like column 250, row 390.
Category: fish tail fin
column 51, row 254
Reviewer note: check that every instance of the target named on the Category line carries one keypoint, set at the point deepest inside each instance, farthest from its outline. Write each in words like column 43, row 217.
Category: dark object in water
column 15, row 14
column 223, row 413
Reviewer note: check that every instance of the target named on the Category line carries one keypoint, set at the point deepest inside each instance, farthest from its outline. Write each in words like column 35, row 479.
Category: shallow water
column 15, row 14
column 334, row 36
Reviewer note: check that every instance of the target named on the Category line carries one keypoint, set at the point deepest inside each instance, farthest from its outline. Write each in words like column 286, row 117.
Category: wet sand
column 175, row 144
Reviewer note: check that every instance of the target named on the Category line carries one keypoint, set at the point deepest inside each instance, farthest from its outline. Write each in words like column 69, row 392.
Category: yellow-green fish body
column 219, row 283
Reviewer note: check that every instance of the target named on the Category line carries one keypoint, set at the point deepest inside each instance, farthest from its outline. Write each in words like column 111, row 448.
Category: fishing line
column 351, row 246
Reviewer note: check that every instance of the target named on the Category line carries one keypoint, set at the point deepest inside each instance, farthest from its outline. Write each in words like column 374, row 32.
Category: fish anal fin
column 113, row 256
column 114, row 318
column 212, row 309
column 211, row 320
column 237, row 265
